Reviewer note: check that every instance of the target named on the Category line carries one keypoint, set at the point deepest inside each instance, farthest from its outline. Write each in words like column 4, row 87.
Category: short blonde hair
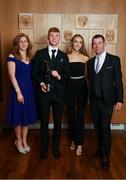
column 53, row 29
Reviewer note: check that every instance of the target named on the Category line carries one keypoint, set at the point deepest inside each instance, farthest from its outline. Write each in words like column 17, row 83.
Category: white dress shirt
column 101, row 60
column 50, row 48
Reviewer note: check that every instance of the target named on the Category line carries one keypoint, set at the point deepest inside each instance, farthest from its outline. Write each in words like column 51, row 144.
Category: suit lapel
column 106, row 62
column 58, row 54
column 47, row 54
column 58, row 58
column 92, row 67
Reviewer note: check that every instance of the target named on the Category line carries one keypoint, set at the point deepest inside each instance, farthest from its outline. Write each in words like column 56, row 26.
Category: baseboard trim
column 114, row 126
column 87, row 126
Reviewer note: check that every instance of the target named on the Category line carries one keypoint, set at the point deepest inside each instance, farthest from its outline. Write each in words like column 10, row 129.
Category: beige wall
column 9, row 10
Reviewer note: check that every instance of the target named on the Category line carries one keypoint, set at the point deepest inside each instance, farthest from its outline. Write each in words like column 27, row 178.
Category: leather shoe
column 44, row 154
column 105, row 163
column 56, row 152
column 96, row 154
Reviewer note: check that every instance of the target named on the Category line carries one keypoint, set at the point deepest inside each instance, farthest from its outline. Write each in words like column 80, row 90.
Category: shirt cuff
column 59, row 77
column 41, row 83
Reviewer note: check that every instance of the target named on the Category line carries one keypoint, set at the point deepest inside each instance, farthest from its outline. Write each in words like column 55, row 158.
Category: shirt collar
column 103, row 55
column 51, row 48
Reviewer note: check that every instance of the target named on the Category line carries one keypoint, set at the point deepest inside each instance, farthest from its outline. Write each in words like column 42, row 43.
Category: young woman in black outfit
column 77, row 92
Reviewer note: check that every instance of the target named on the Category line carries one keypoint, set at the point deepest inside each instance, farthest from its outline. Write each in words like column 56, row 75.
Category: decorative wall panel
column 36, row 25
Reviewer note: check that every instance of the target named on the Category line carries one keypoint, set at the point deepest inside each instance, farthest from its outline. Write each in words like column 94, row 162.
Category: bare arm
column 11, row 71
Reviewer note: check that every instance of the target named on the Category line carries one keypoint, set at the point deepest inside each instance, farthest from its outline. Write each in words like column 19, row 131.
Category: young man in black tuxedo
column 106, row 93
column 50, row 69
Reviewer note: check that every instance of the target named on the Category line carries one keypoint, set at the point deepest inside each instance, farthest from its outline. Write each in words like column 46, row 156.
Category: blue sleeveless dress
column 22, row 114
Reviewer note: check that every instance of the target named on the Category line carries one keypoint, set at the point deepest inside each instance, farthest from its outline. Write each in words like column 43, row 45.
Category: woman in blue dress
column 77, row 92
column 21, row 108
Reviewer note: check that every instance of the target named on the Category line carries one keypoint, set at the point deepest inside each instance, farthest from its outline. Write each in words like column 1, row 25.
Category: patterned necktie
column 53, row 54
column 97, row 65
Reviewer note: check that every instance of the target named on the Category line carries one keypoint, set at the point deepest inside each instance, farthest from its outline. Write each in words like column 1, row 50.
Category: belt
column 76, row 77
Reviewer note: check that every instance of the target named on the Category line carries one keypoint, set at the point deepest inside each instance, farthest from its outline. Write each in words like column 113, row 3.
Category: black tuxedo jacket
column 111, row 80
column 60, row 63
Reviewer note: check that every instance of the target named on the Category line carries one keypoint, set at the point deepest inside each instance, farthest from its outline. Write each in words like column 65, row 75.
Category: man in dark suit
column 50, row 69
column 106, row 93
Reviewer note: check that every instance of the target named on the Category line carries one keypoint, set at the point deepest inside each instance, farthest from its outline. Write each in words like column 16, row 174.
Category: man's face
column 98, row 45
column 54, row 38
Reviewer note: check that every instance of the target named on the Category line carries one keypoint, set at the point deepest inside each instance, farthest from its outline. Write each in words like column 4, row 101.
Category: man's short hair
column 98, row 36
column 53, row 29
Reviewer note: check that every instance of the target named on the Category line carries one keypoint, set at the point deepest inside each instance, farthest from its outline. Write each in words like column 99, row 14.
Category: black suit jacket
column 111, row 80
column 60, row 63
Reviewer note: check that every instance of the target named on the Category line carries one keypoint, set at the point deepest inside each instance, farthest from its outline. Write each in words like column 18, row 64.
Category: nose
column 97, row 46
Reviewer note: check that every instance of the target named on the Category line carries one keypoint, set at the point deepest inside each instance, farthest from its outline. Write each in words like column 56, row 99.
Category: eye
column 75, row 41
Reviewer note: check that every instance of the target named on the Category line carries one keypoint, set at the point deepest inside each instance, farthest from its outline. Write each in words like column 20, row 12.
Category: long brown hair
column 15, row 46
column 82, row 49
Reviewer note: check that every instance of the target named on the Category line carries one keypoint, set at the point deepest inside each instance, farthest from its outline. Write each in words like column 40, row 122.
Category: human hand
column 20, row 98
column 43, row 87
column 55, row 74
column 118, row 106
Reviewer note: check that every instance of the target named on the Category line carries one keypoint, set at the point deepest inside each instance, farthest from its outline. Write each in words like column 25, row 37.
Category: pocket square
column 109, row 67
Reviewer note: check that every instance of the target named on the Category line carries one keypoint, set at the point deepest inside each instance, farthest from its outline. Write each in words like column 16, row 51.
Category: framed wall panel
column 69, row 24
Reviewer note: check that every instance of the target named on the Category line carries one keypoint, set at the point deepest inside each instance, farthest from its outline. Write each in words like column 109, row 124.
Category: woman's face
column 77, row 43
column 23, row 43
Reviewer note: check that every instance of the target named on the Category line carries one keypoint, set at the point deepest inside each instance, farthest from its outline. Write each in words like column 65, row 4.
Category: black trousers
column 102, row 119
column 47, row 101
column 76, row 111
